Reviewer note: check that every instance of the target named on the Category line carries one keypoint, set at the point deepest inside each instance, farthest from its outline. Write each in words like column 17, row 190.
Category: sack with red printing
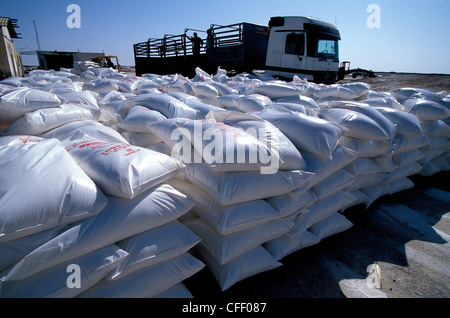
column 42, row 187
column 120, row 169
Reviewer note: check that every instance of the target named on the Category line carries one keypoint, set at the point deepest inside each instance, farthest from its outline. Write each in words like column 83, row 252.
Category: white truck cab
column 303, row 46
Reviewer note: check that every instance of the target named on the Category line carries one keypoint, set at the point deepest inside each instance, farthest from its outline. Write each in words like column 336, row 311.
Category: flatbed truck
column 303, row 46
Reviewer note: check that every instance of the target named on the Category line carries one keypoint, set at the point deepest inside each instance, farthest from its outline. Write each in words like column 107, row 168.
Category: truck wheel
column 329, row 78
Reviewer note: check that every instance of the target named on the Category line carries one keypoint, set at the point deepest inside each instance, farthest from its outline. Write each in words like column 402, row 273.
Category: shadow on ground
column 380, row 235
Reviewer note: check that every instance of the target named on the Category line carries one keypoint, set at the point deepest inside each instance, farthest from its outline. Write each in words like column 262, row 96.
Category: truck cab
column 303, row 46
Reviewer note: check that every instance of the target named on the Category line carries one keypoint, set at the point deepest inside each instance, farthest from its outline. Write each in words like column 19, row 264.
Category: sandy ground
column 406, row 234
column 385, row 82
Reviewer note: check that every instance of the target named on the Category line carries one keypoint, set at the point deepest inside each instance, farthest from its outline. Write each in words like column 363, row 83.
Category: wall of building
column 10, row 59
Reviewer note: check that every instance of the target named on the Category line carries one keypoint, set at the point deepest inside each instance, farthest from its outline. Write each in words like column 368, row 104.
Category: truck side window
column 295, row 44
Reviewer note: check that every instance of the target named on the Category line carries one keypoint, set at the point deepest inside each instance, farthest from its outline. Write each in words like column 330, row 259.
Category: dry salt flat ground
column 404, row 236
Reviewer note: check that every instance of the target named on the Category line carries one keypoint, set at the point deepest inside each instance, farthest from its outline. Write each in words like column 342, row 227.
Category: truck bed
column 239, row 47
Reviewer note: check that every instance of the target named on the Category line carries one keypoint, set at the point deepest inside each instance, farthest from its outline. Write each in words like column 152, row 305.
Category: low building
column 54, row 60
column 10, row 59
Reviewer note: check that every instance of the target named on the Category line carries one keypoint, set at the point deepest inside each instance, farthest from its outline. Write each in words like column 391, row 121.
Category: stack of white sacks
column 81, row 198
column 158, row 175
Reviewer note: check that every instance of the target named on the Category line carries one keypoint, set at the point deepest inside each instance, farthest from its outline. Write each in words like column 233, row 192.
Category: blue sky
column 414, row 34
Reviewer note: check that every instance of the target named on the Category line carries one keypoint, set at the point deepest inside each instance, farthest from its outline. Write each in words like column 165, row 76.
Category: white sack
column 122, row 170
column 139, row 118
column 225, row 248
column 338, row 181
column 104, row 85
column 43, row 120
column 274, row 90
column 332, row 225
column 52, row 282
column 252, row 103
column 323, row 168
column 335, row 91
column 358, row 125
column 402, row 94
column 251, row 263
column 17, row 102
column 426, row 110
column 130, row 84
column 167, row 105
column 121, row 218
column 235, row 187
column 83, row 97
column 403, row 144
column 226, row 219
column 435, row 128
column 292, row 202
column 205, row 89
column 154, row 246
column 367, row 148
column 12, row 251
column 57, row 191
column 84, row 129
column 406, row 124
column 359, row 88
column 300, row 100
column 322, row 209
column 140, row 139
column 268, row 134
column 149, row 281
column 202, row 108
column 227, row 148
column 307, row 133
column 298, row 108
column 287, row 244
column 370, row 112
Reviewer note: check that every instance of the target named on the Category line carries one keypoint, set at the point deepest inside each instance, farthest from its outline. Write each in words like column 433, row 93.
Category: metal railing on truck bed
column 223, row 46
column 168, row 46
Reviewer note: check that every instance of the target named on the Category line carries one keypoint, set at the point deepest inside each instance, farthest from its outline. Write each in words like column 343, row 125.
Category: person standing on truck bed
column 197, row 43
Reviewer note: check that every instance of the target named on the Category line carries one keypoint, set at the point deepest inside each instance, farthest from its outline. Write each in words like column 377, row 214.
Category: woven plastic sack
column 139, row 118
column 167, row 105
column 17, row 102
column 252, row 102
column 53, row 282
column 290, row 157
column 226, row 219
column 235, row 187
column 84, row 129
column 154, row 246
column 358, row 125
column 426, row 109
column 228, row 148
column 122, row 170
column 225, row 248
column 332, row 225
column 147, row 282
column 122, row 218
column 57, row 191
column 43, row 120
column 407, row 124
column 307, row 133
column 274, row 90
column 251, row 263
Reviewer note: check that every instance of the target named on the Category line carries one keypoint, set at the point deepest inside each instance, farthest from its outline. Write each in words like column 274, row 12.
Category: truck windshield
column 324, row 47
